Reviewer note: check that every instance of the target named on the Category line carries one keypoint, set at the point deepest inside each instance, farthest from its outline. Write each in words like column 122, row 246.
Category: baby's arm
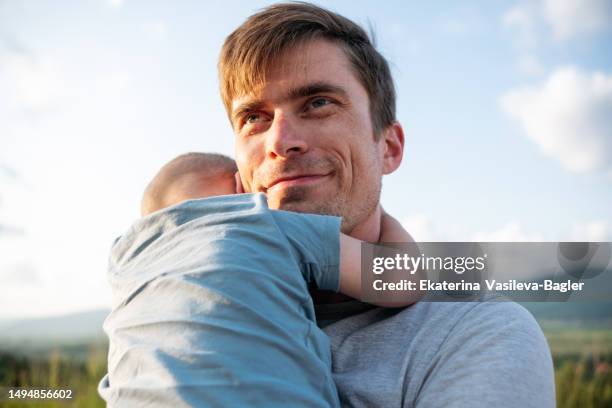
column 350, row 266
column 392, row 231
column 350, row 261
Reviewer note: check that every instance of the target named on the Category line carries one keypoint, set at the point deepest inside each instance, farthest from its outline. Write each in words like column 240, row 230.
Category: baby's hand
column 391, row 231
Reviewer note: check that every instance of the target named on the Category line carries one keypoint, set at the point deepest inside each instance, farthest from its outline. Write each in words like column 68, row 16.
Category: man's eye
column 252, row 118
column 319, row 102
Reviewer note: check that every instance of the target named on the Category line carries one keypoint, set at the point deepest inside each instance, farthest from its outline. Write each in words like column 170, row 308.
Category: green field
column 583, row 364
column 581, row 341
column 75, row 367
column 582, row 357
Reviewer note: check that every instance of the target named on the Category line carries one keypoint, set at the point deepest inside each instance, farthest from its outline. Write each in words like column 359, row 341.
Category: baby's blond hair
column 210, row 167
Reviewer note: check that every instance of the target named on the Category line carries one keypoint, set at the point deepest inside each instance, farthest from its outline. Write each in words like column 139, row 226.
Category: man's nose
column 284, row 137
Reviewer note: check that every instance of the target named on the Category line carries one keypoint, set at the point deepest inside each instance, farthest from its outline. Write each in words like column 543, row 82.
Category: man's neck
column 369, row 231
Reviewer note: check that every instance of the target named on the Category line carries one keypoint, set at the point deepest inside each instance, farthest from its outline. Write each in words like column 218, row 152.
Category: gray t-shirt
column 211, row 307
column 459, row 354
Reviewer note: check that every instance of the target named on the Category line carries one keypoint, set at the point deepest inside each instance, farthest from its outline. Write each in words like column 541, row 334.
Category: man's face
column 305, row 138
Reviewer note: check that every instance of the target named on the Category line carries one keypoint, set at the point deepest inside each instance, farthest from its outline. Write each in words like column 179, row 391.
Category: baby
column 189, row 176
column 211, row 304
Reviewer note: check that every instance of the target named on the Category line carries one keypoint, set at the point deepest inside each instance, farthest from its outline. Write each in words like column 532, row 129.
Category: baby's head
column 189, row 176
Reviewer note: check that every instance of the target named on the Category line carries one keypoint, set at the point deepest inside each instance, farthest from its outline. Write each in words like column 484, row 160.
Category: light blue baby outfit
column 211, row 307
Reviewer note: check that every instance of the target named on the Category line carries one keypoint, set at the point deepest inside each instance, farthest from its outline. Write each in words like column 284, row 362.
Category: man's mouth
column 292, row 181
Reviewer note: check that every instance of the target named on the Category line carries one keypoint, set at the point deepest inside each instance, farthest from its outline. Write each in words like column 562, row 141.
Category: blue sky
column 506, row 106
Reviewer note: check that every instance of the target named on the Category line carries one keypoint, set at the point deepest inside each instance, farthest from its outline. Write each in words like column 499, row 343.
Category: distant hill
column 72, row 328
column 585, row 313
column 590, row 307
column 4, row 322
column 86, row 327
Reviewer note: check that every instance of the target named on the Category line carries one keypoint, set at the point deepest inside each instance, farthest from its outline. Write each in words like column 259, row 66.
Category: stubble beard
column 340, row 200
column 338, row 203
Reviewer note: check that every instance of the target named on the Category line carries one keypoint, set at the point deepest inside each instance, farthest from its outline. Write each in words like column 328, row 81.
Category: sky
column 506, row 107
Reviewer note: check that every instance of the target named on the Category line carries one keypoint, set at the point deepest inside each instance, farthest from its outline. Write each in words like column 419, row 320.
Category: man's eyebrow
column 294, row 93
column 246, row 107
column 315, row 88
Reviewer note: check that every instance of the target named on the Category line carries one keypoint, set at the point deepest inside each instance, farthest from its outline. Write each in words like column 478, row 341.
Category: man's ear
column 393, row 139
column 239, row 187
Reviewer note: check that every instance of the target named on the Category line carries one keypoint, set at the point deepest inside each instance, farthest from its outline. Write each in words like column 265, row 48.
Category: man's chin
column 302, row 200
column 302, row 207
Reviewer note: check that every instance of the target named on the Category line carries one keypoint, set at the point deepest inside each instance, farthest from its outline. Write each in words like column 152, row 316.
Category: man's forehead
column 315, row 62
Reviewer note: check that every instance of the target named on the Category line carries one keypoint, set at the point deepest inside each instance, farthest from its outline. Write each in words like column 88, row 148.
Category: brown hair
column 254, row 46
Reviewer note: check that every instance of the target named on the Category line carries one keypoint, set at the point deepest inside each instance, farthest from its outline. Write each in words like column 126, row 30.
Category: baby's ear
column 239, row 187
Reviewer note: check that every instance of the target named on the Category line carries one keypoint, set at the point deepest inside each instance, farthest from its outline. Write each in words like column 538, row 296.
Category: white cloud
column 115, row 3
column 569, row 18
column 424, row 229
column 564, row 18
column 32, row 83
column 568, row 117
column 421, row 227
column 530, row 65
column 20, row 274
column 8, row 229
column 156, row 29
column 7, row 172
column 510, row 232
column 463, row 20
column 523, row 19
column 592, row 231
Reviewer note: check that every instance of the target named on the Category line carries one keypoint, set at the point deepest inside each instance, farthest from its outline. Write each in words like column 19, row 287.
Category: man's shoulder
column 446, row 351
column 497, row 350
column 458, row 322
column 459, row 334
column 445, row 327
column 488, row 313
column 503, row 325
column 421, row 313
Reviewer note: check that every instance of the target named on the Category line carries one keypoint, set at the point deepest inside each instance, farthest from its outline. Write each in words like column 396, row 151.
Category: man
column 312, row 105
